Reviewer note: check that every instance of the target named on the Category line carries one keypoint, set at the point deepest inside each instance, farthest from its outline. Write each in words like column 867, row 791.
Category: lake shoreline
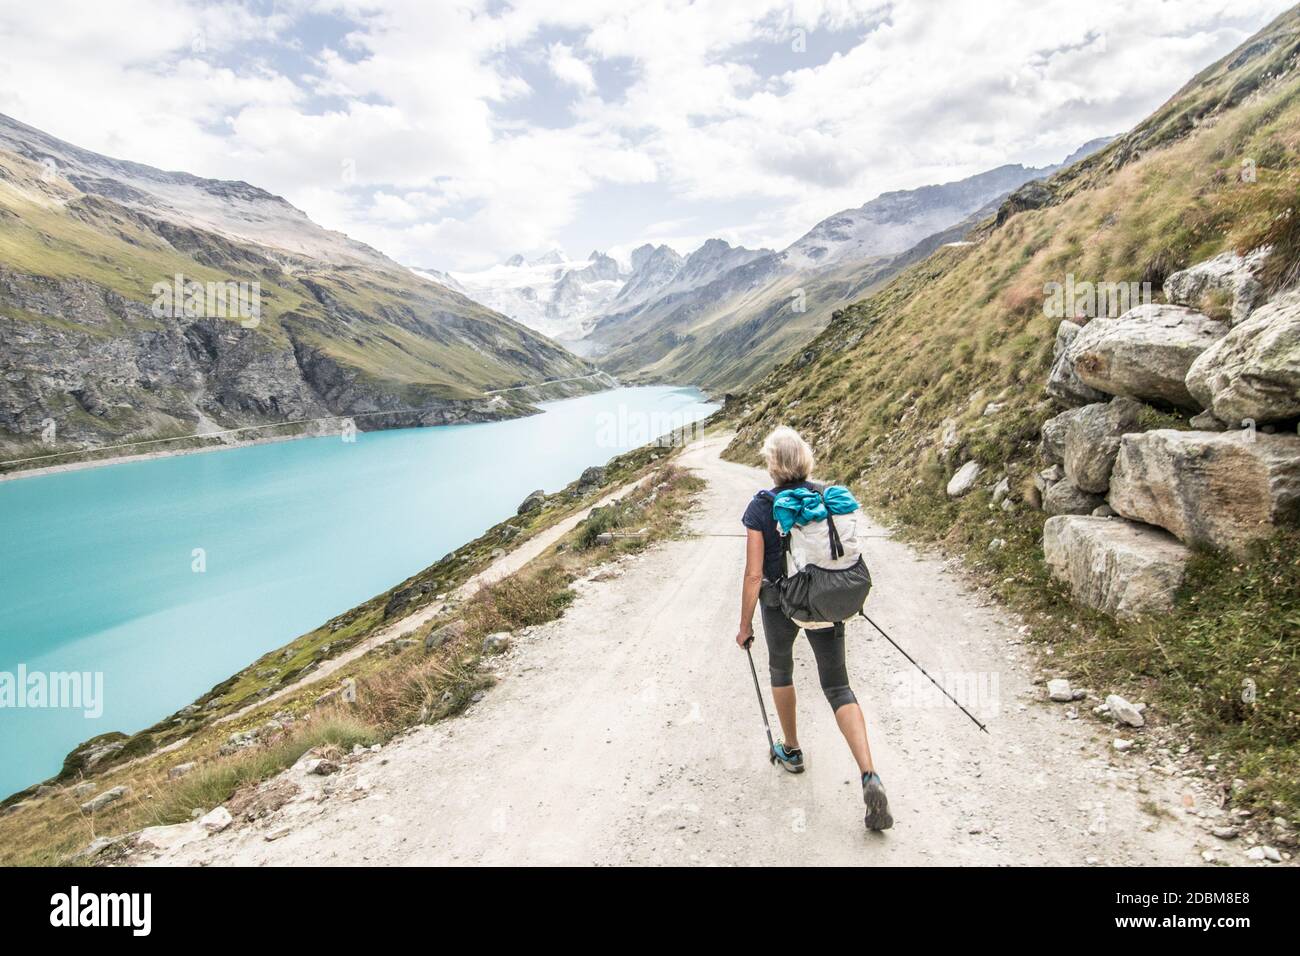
column 221, row 444
column 356, row 519
column 41, row 471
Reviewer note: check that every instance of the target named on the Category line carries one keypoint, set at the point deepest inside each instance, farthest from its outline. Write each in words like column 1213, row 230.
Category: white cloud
column 569, row 69
column 414, row 126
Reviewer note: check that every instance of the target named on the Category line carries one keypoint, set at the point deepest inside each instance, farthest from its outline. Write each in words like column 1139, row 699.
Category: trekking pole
column 918, row 667
column 762, row 709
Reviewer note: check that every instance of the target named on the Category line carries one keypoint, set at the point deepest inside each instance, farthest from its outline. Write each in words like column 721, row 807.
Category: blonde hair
column 788, row 456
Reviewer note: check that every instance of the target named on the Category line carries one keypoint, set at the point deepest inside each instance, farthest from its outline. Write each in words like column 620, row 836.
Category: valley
column 458, row 581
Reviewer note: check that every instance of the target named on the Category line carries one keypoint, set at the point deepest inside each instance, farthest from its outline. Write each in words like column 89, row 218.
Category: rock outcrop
column 1128, row 505
column 1116, row 566
column 1253, row 372
column 1225, row 282
column 1215, row 489
column 1092, row 435
column 532, row 503
column 1145, row 353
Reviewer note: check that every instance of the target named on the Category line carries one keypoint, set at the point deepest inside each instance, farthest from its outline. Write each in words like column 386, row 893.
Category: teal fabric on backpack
column 802, row 505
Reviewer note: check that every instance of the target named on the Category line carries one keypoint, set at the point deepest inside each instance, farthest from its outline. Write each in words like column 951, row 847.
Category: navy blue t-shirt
column 758, row 516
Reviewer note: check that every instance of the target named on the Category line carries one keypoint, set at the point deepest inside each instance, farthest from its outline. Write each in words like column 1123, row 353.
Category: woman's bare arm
column 752, row 583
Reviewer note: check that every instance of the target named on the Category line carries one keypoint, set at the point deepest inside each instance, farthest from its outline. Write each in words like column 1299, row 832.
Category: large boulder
column 963, row 480
column 1115, row 566
column 532, row 503
column 1091, row 442
column 1218, row 489
column 1063, row 381
column 590, row 479
column 1253, row 372
column 1066, row 498
column 1145, row 353
column 1225, row 282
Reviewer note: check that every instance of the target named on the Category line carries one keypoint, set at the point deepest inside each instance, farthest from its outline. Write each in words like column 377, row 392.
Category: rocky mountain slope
column 1125, row 470
column 90, row 355
column 731, row 323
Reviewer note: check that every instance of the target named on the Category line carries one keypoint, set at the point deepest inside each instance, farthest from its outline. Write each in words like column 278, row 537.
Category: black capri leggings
column 828, row 648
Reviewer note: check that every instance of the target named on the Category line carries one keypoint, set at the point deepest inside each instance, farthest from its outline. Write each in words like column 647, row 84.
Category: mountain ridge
column 725, row 333
column 88, row 360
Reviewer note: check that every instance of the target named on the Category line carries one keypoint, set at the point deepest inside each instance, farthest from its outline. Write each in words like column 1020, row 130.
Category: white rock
column 1058, row 689
column 172, row 837
column 1124, row 712
column 1064, row 497
column 1092, row 436
column 216, row 820
column 964, row 479
column 496, row 643
column 1253, row 372
column 1120, row 744
column 1063, row 381
column 104, row 799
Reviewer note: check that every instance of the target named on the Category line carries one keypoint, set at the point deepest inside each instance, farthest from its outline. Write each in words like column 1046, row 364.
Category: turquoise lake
column 96, row 566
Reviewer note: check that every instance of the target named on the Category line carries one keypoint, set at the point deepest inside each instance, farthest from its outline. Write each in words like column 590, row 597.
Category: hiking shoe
column 873, row 795
column 791, row 760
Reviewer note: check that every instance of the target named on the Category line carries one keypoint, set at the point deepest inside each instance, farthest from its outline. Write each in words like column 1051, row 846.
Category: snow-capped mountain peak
column 551, row 293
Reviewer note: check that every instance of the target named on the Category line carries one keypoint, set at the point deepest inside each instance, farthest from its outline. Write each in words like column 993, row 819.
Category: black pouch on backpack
column 822, row 594
column 769, row 594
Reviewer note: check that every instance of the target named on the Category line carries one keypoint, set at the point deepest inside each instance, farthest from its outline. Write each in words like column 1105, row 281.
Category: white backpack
column 811, row 544
column 825, row 570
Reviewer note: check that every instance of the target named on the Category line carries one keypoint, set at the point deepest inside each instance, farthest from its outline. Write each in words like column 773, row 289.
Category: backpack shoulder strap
column 837, row 546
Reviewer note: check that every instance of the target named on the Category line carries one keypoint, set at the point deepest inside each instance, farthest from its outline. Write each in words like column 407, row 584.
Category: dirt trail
column 628, row 732
column 503, row 566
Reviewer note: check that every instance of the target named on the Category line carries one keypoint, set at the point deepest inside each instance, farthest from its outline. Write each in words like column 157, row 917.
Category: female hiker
column 789, row 462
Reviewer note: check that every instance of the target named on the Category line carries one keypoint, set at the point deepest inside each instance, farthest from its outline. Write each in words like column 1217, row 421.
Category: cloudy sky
column 453, row 134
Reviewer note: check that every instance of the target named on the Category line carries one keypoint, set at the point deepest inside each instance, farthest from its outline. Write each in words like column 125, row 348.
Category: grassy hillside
column 735, row 346
column 958, row 347
column 726, row 336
